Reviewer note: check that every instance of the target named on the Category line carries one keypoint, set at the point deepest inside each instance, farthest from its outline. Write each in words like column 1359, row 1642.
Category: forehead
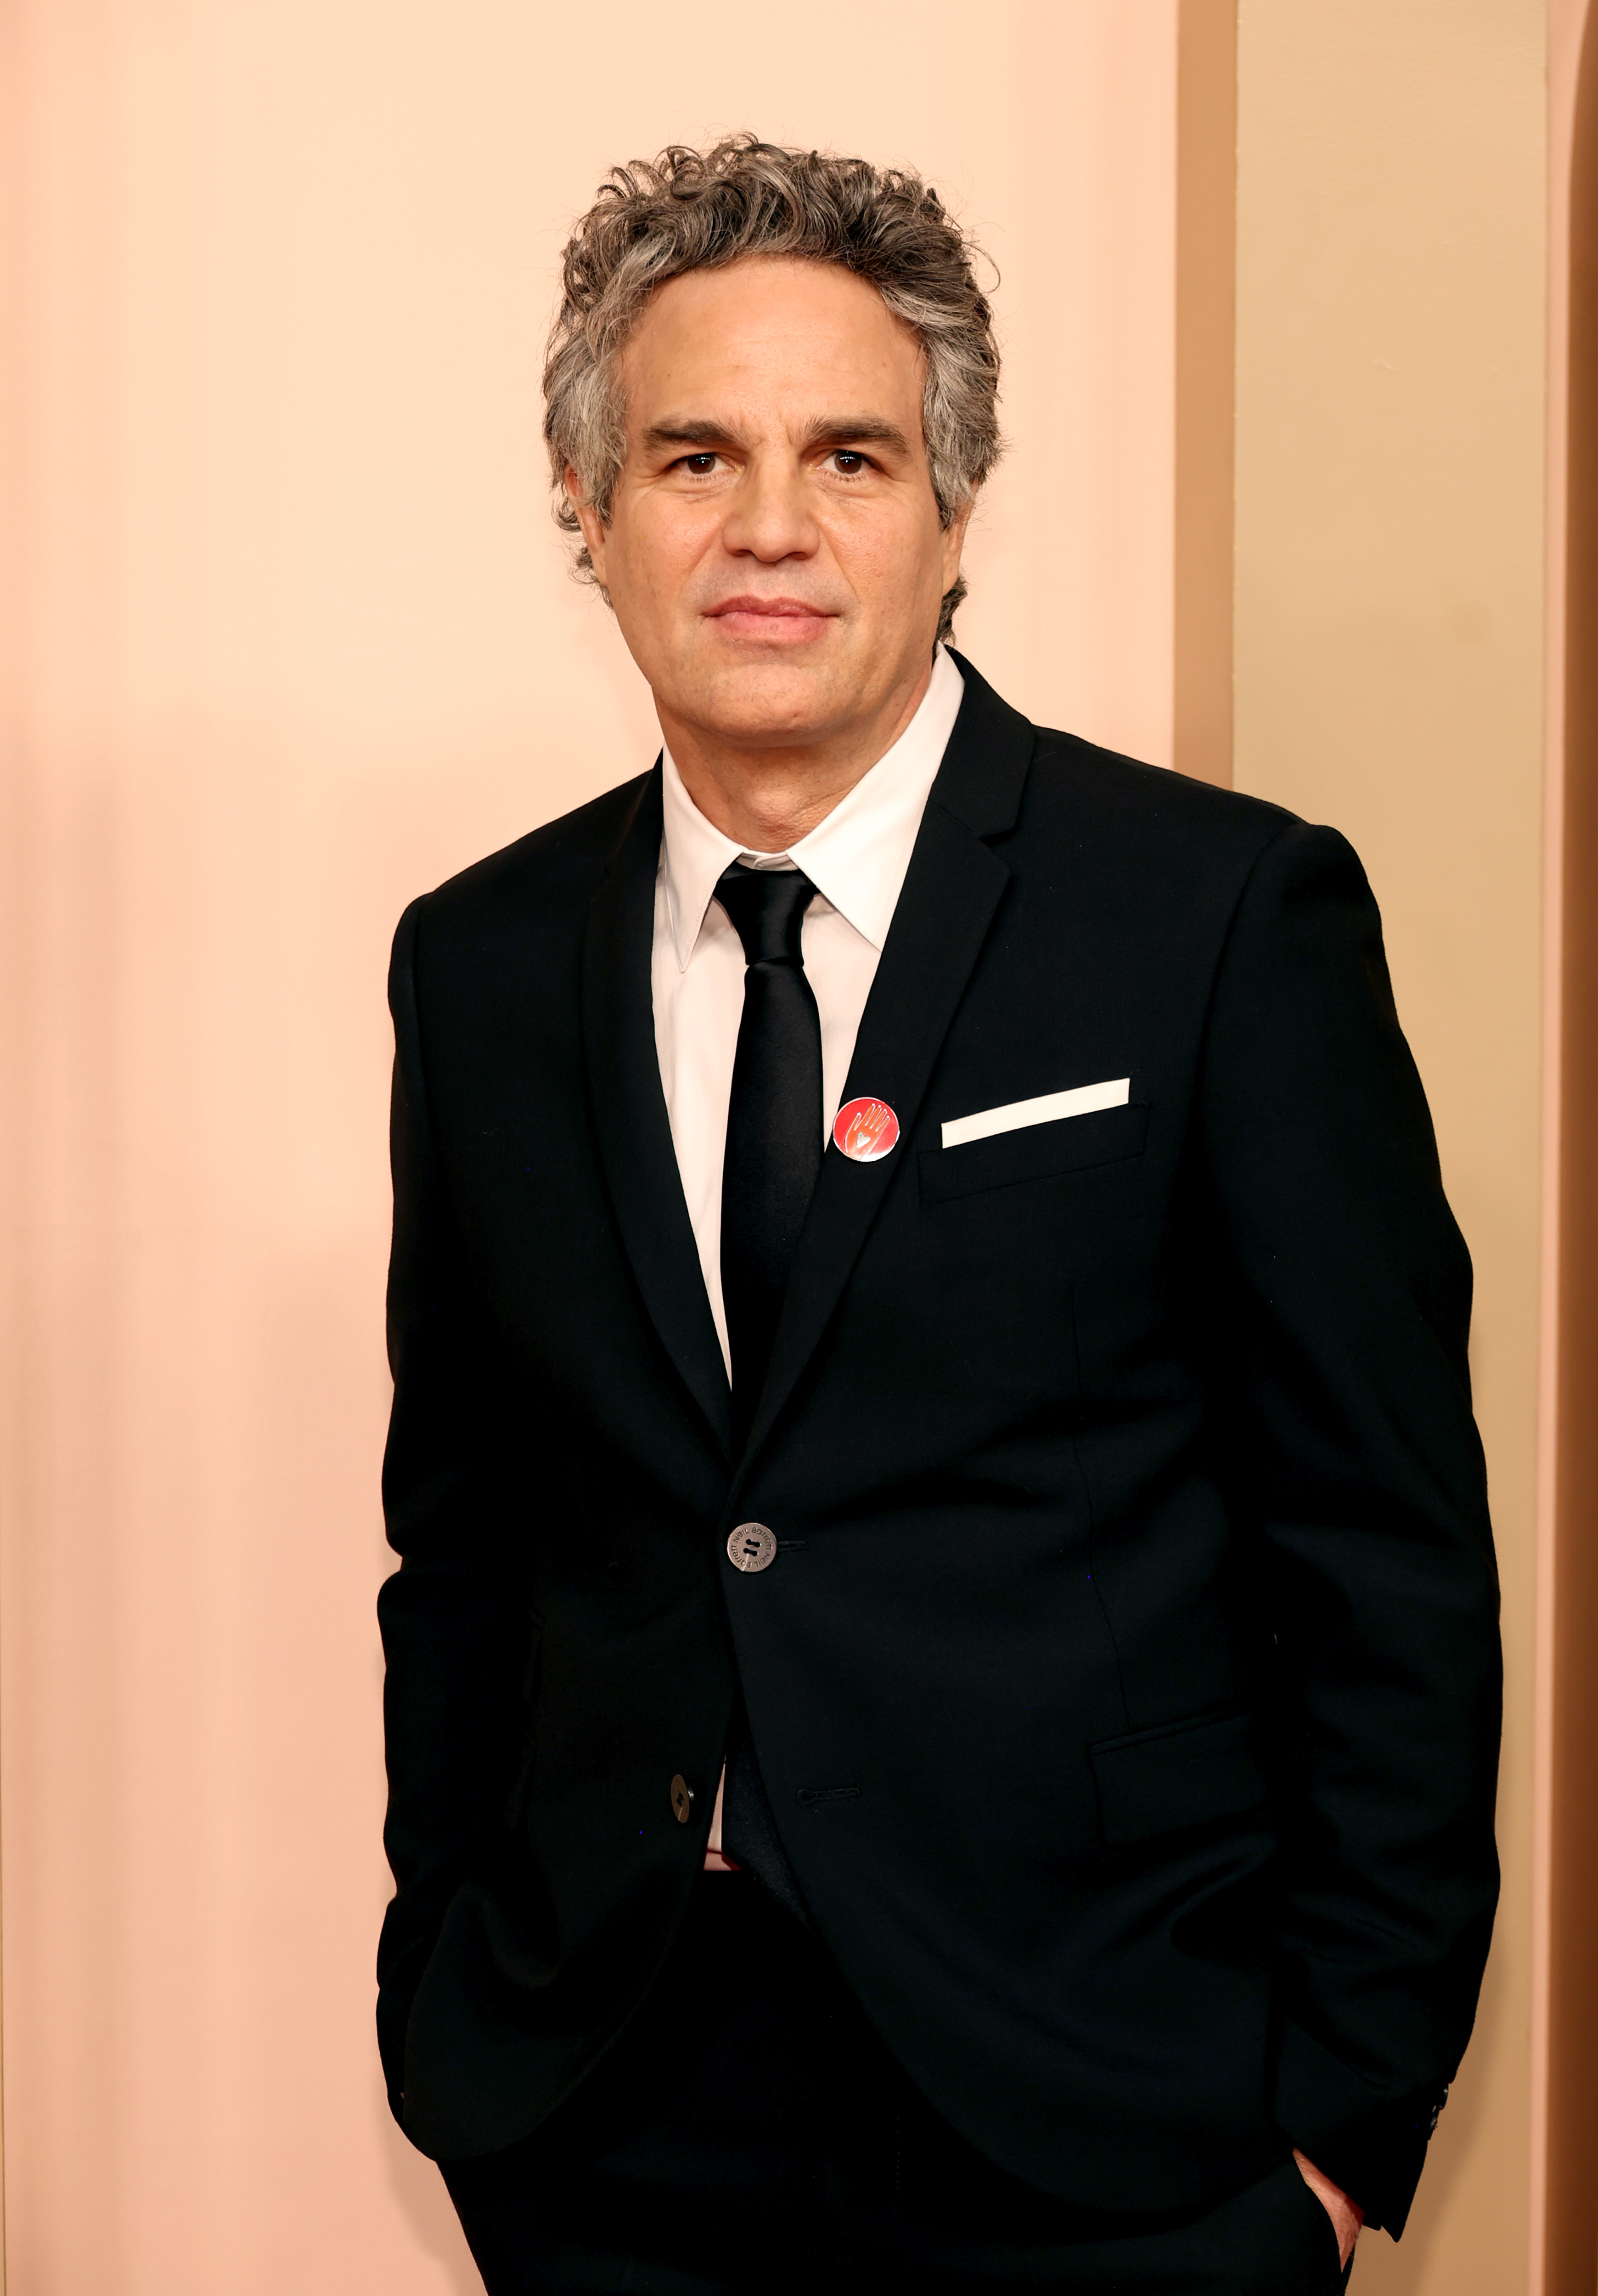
column 769, row 332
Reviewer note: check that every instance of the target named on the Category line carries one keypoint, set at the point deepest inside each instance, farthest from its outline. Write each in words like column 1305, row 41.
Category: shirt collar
column 855, row 858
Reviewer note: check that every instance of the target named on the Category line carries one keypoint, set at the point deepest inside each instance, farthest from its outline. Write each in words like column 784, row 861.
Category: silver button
column 752, row 1547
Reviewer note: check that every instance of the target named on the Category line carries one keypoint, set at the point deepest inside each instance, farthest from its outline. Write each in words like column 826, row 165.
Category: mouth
column 770, row 621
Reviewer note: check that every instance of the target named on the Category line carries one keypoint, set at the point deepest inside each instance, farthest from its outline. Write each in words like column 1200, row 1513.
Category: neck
column 767, row 798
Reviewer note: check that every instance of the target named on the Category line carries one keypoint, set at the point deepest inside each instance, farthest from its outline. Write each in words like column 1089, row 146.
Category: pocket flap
column 1182, row 1773
column 1071, row 1143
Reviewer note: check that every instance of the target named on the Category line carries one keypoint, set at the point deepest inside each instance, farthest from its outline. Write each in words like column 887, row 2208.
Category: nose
column 770, row 517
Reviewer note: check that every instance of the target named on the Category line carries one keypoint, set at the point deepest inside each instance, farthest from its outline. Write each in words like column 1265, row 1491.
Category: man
column 943, row 1683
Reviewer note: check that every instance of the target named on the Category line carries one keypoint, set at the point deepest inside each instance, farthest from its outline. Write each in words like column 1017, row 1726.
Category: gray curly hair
column 689, row 210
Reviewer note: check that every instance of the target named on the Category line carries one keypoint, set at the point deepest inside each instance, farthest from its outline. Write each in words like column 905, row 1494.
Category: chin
column 782, row 701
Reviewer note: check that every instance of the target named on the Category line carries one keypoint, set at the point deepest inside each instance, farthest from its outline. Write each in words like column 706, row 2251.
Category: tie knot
column 767, row 908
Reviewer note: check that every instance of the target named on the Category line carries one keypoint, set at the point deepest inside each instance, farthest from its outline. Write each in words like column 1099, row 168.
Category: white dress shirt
column 856, row 859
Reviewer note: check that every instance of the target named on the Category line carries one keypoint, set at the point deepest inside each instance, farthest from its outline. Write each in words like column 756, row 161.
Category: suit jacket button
column 682, row 1800
column 752, row 1547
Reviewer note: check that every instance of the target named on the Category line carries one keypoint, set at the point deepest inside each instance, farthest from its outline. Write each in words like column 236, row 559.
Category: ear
column 589, row 519
column 954, row 544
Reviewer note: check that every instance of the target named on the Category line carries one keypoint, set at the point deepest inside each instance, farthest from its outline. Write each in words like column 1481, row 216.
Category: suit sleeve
column 1346, row 1289
column 456, row 1639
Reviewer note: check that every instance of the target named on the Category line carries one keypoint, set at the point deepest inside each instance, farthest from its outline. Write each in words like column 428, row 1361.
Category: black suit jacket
column 1126, row 1686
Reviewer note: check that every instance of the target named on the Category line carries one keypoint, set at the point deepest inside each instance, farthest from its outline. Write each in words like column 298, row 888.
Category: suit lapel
column 629, row 1113
column 954, row 885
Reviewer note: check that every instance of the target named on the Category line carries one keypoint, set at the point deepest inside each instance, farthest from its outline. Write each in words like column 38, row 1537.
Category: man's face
column 774, row 553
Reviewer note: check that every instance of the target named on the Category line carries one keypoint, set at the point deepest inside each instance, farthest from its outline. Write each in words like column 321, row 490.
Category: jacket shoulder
column 540, row 886
column 561, row 862
column 1096, row 790
column 1151, row 851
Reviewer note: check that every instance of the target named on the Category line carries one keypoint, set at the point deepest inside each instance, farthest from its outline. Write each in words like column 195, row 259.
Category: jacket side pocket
column 1182, row 1773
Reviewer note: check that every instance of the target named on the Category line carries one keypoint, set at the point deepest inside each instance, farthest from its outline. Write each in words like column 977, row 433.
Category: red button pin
column 866, row 1130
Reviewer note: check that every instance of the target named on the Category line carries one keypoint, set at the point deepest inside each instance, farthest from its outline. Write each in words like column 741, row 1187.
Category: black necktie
column 773, row 1157
column 773, row 1119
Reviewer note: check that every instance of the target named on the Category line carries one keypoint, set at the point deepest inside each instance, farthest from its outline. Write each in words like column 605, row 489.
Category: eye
column 848, row 462
column 700, row 466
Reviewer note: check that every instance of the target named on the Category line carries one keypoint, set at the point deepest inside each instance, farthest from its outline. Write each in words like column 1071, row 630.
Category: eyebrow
column 685, row 432
column 863, row 429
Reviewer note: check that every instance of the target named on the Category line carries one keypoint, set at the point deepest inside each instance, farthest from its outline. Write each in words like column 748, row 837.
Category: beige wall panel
column 1391, row 204
column 1565, row 2003
column 1205, row 387
column 293, row 642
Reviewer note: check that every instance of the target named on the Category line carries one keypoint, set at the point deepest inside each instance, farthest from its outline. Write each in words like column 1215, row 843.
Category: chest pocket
column 1071, row 1144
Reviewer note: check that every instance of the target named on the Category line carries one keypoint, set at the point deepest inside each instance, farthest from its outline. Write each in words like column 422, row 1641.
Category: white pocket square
column 1082, row 1100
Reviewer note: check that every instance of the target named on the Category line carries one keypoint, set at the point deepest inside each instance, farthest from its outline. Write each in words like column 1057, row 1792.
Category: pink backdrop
column 293, row 640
